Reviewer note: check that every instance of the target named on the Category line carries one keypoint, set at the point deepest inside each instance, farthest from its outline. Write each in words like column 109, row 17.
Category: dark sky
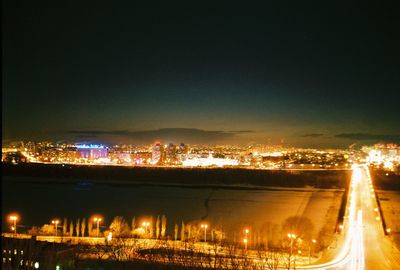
column 313, row 75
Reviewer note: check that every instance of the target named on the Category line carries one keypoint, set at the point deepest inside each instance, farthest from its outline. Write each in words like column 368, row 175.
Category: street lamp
column 145, row 224
column 205, row 226
column 388, row 231
column 14, row 219
column 97, row 220
column 291, row 236
column 313, row 241
column 55, row 222
column 245, row 243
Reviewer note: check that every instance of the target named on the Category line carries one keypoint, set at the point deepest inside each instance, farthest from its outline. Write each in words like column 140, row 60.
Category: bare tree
column 65, row 226
column 176, row 231
column 83, row 227
column 133, row 224
column 269, row 259
column 71, row 228
column 119, row 227
column 90, row 227
column 189, row 230
column 158, row 227
column 183, row 231
column 151, row 227
column 302, row 227
column 34, row 231
column 163, row 225
column 78, row 227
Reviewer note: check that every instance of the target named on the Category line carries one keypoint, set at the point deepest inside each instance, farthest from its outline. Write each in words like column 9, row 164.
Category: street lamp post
column 245, row 240
column 388, row 231
column 97, row 220
column 291, row 236
column 309, row 250
column 14, row 219
column 55, row 222
column 145, row 224
column 205, row 226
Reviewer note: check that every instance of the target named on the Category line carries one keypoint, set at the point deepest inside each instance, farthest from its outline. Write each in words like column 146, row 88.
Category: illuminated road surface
column 365, row 246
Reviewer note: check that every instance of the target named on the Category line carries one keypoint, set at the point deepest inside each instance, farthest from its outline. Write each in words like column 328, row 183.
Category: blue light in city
column 90, row 146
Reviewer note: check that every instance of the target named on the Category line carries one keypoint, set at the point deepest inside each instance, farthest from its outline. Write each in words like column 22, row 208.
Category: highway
column 364, row 244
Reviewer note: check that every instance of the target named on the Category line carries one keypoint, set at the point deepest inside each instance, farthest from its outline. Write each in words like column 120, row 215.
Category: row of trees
column 223, row 255
column 186, row 232
column 120, row 228
column 82, row 228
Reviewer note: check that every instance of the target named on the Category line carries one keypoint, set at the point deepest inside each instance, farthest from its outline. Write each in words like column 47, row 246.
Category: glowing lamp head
column 245, row 240
column 388, row 230
column 97, row 219
column 246, row 231
column 314, row 241
column 146, row 224
column 55, row 221
column 13, row 217
column 204, row 226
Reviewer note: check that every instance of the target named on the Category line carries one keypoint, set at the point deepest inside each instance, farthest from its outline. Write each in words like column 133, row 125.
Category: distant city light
column 90, row 146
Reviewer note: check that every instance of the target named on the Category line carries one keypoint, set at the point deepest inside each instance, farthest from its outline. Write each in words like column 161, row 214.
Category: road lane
column 365, row 245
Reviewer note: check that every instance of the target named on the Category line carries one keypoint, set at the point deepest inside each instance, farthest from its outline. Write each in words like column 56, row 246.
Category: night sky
column 307, row 75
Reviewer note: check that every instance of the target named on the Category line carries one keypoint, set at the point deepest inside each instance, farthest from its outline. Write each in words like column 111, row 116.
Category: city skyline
column 310, row 76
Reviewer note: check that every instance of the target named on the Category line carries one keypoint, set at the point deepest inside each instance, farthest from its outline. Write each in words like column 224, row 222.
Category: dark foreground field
column 181, row 176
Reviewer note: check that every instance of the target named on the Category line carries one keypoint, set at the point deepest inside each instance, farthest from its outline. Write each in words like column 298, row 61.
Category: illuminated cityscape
column 200, row 135
column 382, row 156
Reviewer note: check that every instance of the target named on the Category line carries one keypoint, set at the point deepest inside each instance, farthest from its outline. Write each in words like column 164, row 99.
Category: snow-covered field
column 263, row 210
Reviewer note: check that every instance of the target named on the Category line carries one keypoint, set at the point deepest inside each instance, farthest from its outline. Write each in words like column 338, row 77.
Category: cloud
column 188, row 135
column 241, row 131
column 312, row 135
column 369, row 137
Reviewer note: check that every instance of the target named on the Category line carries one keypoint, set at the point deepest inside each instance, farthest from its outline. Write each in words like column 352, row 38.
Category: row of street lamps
column 14, row 217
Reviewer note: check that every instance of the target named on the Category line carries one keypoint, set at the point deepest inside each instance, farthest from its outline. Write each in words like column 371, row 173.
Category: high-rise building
column 156, row 154
column 182, row 149
column 170, row 154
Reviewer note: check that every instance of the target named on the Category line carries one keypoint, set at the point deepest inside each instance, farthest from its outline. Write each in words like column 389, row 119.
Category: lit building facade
column 156, row 154
column 92, row 151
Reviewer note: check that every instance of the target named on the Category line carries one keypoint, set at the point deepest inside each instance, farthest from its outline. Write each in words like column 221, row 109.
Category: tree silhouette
column 176, row 231
column 78, row 227
column 83, row 227
column 163, row 225
column 119, row 227
column 65, row 226
column 158, row 227
column 71, row 228
column 90, row 227
column 183, row 231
